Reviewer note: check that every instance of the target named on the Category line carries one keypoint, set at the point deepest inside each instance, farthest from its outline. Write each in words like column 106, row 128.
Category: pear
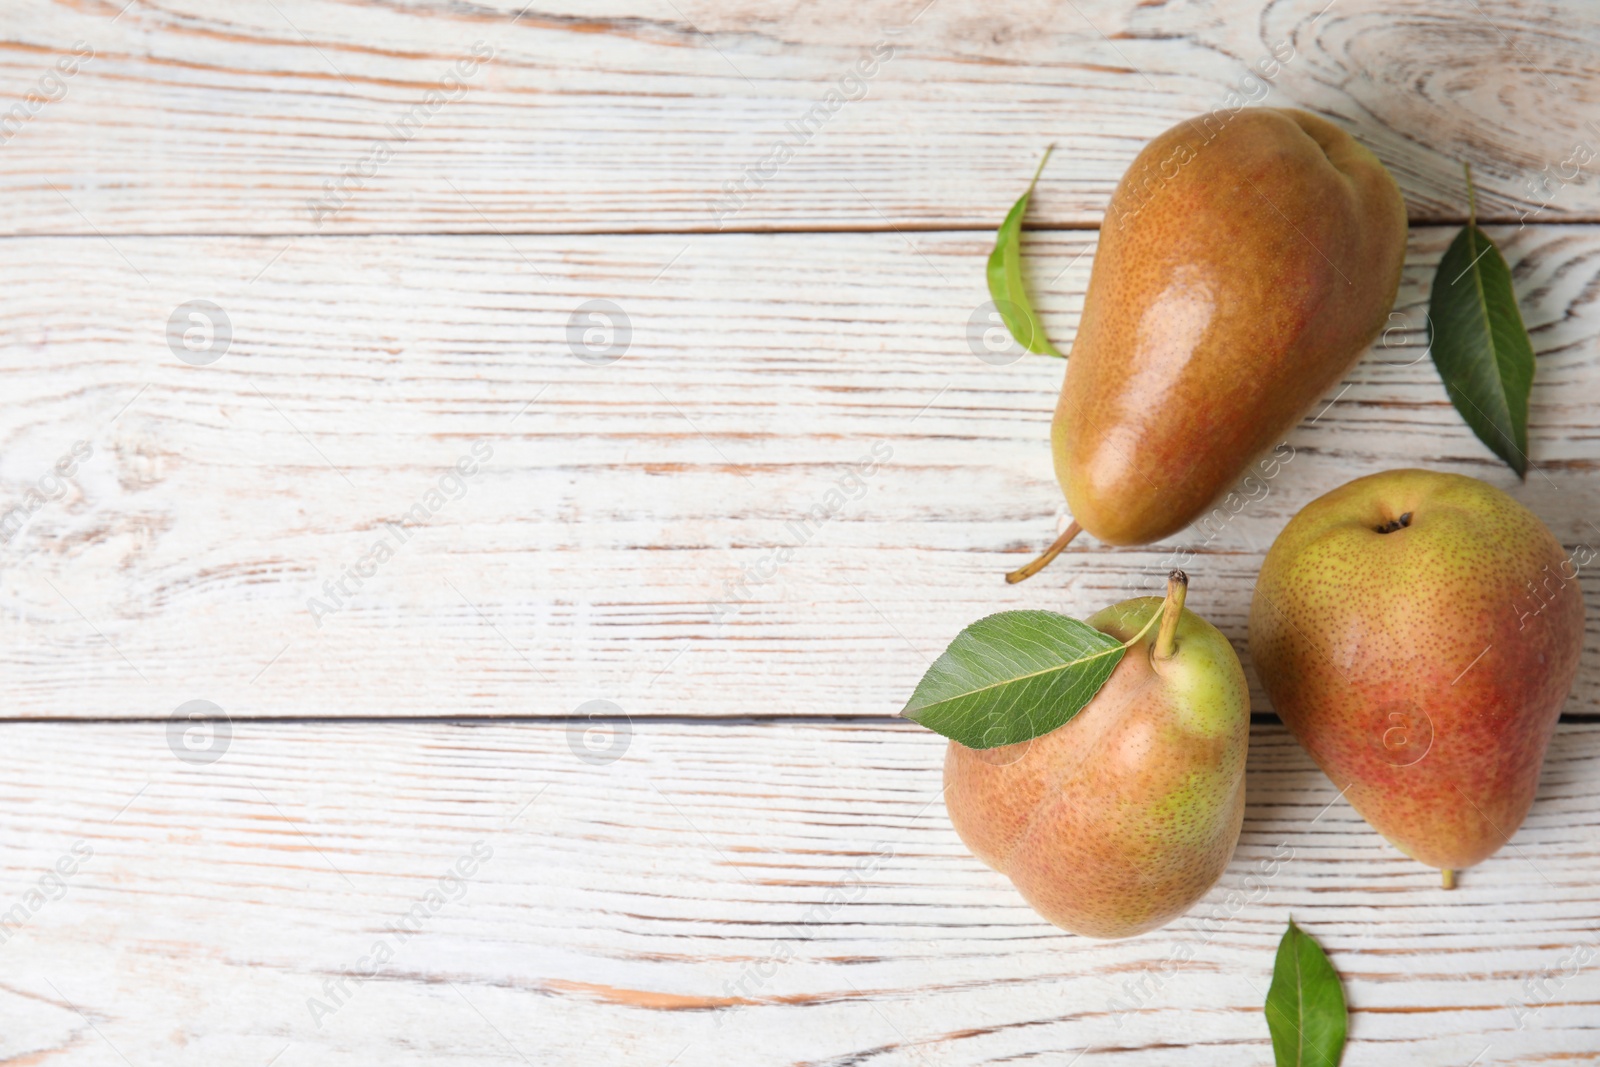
column 1119, row 820
column 1419, row 632
column 1246, row 260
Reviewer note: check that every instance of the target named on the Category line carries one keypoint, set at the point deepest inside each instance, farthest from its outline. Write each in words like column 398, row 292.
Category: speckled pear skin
column 1425, row 668
column 1118, row 821
column 1245, row 263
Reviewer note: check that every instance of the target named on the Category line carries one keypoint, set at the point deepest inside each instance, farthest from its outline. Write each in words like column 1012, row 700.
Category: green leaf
column 1005, row 277
column 1012, row 677
column 1305, row 1005
column 1479, row 343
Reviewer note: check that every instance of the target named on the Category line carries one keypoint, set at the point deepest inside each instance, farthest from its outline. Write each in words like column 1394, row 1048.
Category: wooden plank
column 678, row 902
column 619, row 541
column 624, row 115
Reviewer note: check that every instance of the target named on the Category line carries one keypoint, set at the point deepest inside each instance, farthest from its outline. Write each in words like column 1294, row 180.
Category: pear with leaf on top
column 1099, row 766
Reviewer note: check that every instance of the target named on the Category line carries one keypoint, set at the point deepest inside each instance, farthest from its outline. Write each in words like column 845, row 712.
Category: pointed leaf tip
column 1013, row 676
column 1305, row 1008
column 1479, row 343
column 1004, row 275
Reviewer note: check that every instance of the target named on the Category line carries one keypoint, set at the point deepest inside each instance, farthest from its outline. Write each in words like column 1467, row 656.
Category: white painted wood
column 626, row 115
column 621, row 503
column 621, row 903
column 626, row 902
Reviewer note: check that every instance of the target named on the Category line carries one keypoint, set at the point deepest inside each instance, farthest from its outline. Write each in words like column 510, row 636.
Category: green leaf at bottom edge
column 1305, row 1004
column 1012, row 677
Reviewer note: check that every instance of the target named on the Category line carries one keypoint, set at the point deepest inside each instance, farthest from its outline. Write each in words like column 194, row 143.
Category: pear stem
column 1472, row 196
column 1171, row 610
column 1047, row 150
column 1449, row 878
column 1023, row 573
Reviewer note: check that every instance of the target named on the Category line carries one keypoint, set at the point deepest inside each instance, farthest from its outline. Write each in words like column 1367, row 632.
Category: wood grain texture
column 751, row 894
column 678, row 869
column 622, row 540
column 634, row 115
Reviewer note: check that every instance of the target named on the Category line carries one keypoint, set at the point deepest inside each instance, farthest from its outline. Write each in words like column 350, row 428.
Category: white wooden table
column 574, row 774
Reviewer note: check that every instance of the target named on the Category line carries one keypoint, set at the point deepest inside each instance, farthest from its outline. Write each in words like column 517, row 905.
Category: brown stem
column 1449, row 878
column 1022, row 573
column 1171, row 611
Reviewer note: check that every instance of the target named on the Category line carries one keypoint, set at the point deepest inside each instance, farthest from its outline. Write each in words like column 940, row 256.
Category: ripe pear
column 1119, row 820
column 1245, row 262
column 1419, row 633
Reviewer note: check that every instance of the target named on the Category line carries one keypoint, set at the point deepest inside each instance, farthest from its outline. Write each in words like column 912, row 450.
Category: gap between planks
column 713, row 231
column 1257, row 718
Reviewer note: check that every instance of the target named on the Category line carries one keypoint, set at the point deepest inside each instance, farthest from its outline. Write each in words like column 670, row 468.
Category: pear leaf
column 1305, row 1004
column 1012, row 677
column 1479, row 343
column 1005, row 277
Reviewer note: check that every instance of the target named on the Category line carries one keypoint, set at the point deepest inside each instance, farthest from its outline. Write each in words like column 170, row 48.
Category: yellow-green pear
column 1116, row 822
